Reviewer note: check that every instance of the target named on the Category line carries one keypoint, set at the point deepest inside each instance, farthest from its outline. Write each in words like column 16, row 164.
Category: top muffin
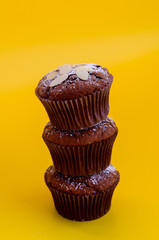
column 75, row 96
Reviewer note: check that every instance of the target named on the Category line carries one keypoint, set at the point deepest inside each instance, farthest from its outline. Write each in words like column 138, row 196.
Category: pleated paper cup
column 82, row 207
column 81, row 160
column 79, row 113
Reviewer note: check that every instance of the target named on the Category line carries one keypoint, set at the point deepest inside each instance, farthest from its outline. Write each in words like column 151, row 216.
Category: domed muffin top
column 82, row 185
column 98, row 132
column 71, row 81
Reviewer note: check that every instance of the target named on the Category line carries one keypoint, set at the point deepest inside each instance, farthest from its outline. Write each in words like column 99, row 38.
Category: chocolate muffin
column 82, row 198
column 81, row 152
column 75, row 96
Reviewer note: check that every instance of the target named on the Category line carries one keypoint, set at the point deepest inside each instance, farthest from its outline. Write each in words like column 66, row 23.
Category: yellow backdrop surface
column 36, row 37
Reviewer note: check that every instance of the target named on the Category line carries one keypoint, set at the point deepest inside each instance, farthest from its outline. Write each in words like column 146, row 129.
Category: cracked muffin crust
column 73, row 86
column 98, row 132
column 93, row 184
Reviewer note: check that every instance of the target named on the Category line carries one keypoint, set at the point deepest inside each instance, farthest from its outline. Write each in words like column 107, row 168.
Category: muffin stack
column 80, row 138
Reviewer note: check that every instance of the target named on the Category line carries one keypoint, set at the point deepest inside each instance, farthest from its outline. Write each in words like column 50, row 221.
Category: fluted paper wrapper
column 81, row 160
column 82, row 207
column 75, row 114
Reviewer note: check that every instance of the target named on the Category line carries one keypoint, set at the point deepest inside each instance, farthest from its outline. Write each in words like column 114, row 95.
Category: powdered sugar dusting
column 97, row 178
column 111, row 168
column 83, row 185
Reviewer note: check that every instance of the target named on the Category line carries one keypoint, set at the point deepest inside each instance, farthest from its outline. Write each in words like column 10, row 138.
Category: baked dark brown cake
column 80, row 137
column 82, row 198
column 81, row 152
column 75, row 96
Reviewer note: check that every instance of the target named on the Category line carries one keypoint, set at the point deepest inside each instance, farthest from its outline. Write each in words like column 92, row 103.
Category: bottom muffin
column 82, row 198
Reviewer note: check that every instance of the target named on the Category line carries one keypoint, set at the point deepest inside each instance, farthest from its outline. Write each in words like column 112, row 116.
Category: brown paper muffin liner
column 81, row 160
column 82, row 207
column 75, row 114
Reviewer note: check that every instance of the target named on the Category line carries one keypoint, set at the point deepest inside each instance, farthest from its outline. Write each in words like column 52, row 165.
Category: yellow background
column 36, row 37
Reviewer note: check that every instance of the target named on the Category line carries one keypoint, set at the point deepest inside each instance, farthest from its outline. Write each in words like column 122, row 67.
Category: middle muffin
column 81, row 152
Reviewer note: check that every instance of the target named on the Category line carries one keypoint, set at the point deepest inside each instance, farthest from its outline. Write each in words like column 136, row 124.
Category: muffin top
column 98, row 132
column 82, row 185
column 72, row 81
